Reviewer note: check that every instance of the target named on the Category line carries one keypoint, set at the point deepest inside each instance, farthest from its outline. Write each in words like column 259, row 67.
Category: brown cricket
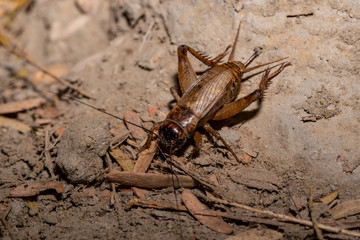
column 211, row 96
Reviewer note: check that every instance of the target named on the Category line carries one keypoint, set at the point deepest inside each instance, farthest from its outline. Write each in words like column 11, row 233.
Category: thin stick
column 286, row 218
column 48, row 161
column 169, row 206
column 113, row 189
column 19, row 52
column 146, row 36
column 149, row 180
column 6, row 224
column 313, row 218
column 304, row 14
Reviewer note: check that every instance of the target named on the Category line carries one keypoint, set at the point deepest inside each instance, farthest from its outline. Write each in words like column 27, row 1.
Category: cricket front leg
column 233, row 108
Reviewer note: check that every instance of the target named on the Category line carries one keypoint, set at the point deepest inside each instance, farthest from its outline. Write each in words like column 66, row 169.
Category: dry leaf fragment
column 122, row 159
column 136, row 132
column 145, row 158
column 34, row 188
column 193, row 204
column 345, row 209
column 41, row 77
column 329, row 198
column 8, row 122
column 22, row 105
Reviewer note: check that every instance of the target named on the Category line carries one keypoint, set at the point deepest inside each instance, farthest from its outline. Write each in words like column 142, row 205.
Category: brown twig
column 207, row 184
column 169, row 206
column 6, row 224
column 113, row 189
column 313, row 217
column 286, row 218
column 48, row 161
column 304, row 14
column 150, row 180
column 19, row 52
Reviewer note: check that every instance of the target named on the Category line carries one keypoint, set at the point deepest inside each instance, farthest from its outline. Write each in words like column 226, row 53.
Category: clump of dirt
column 122, row 57
column 322, row 105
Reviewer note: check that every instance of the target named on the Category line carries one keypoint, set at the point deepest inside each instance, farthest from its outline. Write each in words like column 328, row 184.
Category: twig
column 149, row 180
column 19, row 52
column 313, row 218
column 286, row 218
column 146, row 36
column 304, row 14
column 113, row 189
column 197, row 177
column 48, row 161
column 6, row 224
column 169, row 206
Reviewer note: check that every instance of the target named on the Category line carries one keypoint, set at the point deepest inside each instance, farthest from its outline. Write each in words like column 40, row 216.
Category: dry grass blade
column 19, row 52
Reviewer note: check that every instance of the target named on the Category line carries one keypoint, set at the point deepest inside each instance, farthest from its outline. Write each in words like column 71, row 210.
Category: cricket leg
column 152, row 136
column 214, row 133
column 187, row 75
column 233, row 108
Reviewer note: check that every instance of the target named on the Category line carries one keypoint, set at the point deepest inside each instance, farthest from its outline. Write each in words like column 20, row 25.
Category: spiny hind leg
column 233, row 108
column 214, row 133
column 187, row 75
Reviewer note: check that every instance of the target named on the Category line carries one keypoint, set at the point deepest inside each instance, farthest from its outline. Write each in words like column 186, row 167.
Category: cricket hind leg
column 233, row 108
column 186, row 73
column 214, row 133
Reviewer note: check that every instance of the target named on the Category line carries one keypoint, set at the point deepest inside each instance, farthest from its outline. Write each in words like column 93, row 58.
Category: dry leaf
column 19, row 106
column 34, row 188
column 193, row 204
column 145, row 158
column 14, row 124
column 136, row 132
column 122, row 159
column 56, row 70
column 329, row 198
column 345, row 209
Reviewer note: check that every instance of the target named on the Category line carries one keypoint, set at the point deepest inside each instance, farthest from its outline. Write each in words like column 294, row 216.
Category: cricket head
column 172, row 135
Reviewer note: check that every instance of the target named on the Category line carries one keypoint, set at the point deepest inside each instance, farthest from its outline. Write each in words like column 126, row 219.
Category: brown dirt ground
column 304, row 134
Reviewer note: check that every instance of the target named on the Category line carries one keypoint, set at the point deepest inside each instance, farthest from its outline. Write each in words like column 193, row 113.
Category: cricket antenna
column 110, row 114
column 175, row 180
